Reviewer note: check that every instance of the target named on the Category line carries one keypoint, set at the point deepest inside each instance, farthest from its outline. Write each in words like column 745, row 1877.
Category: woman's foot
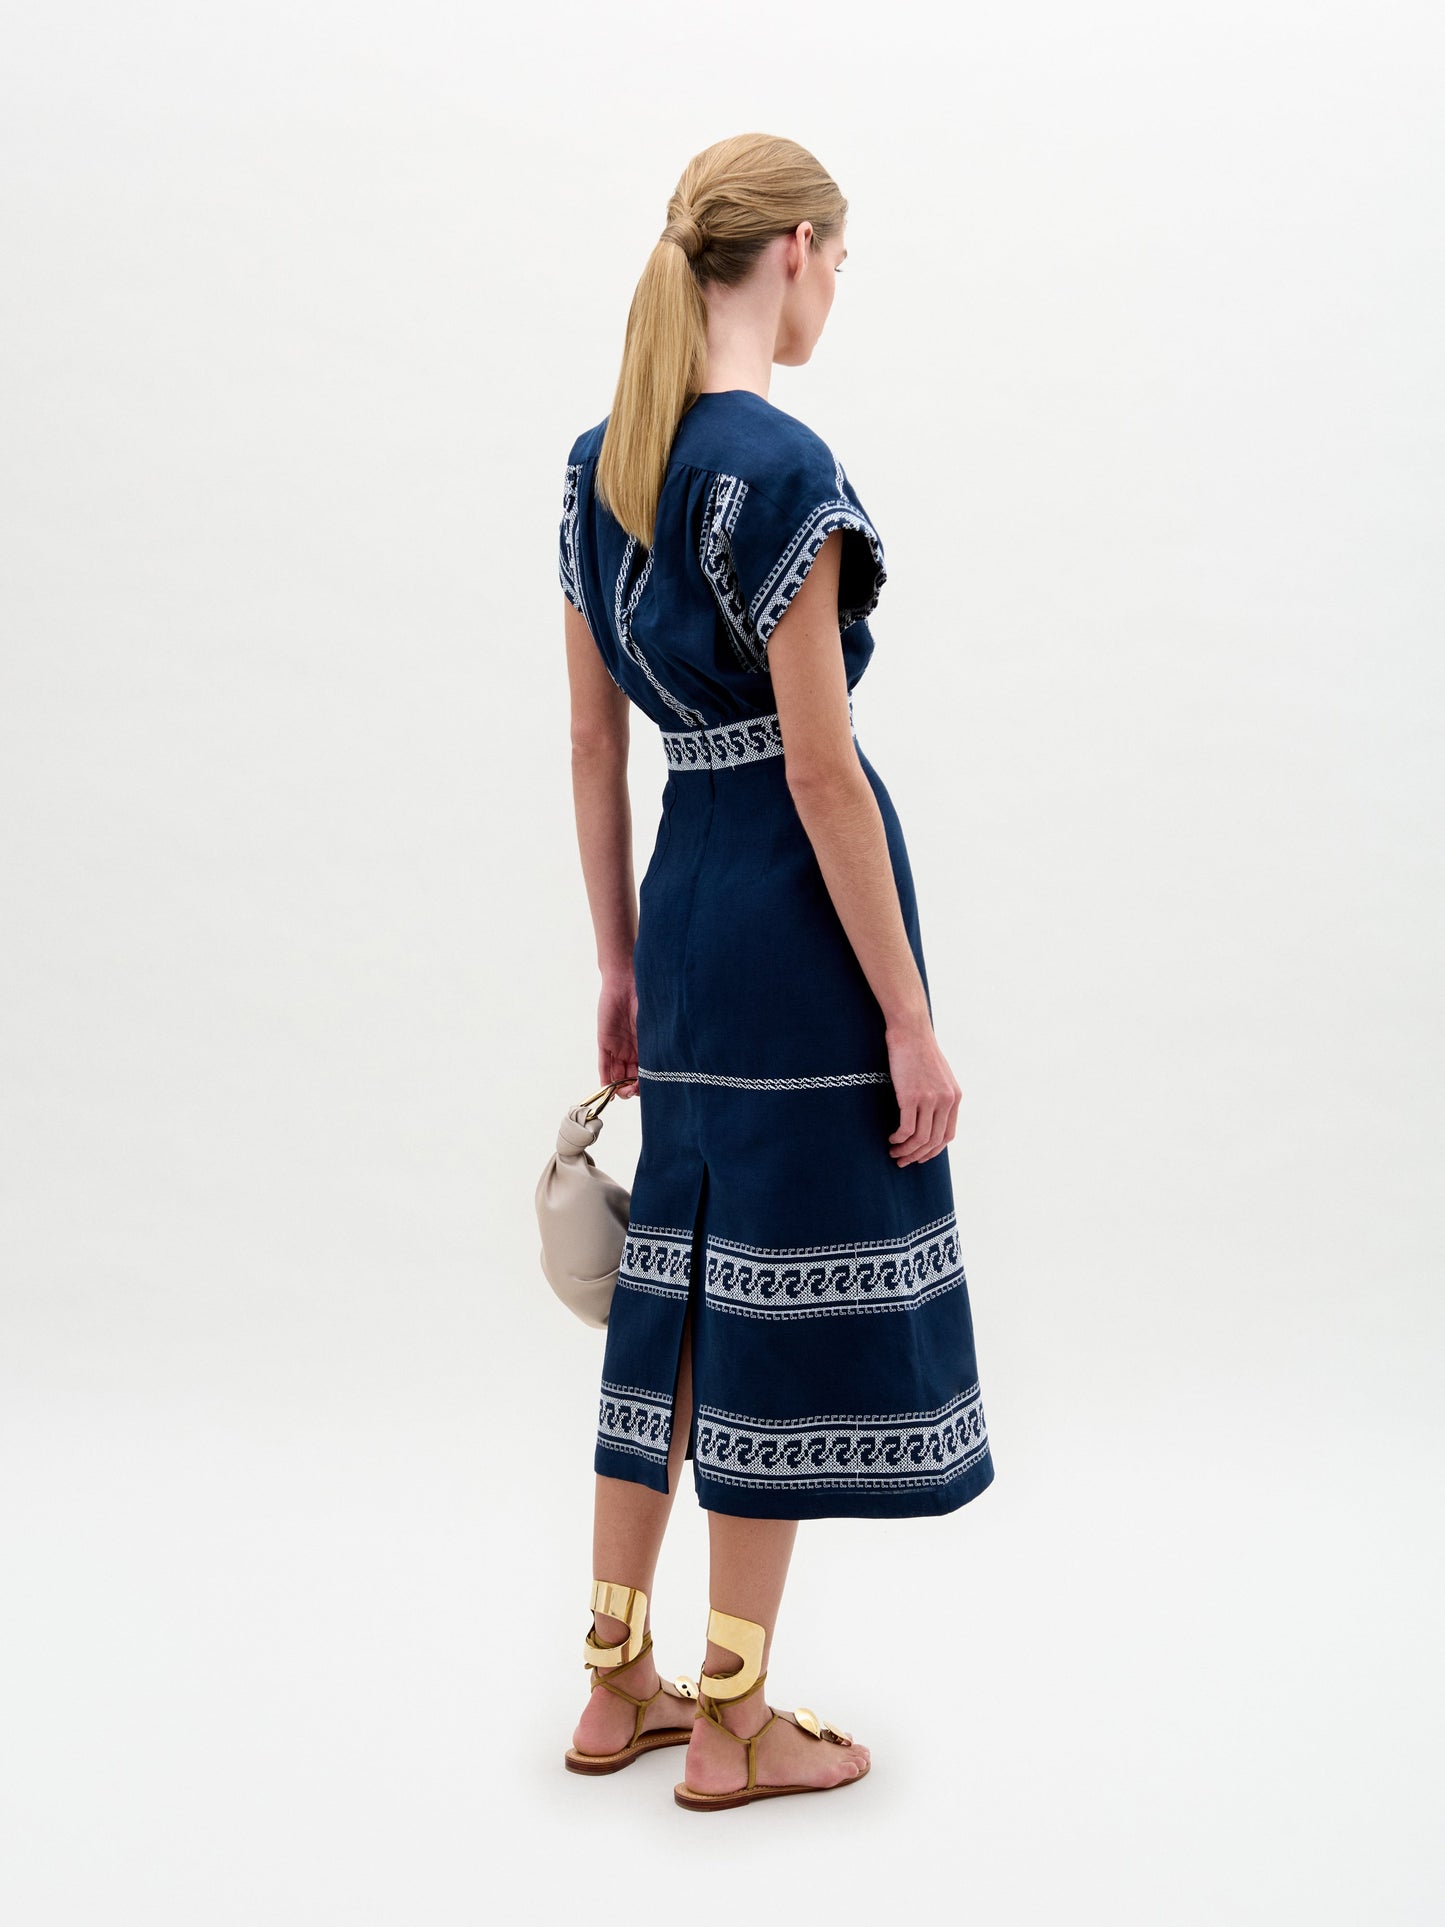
column 786, row 1754
column 607, row 1720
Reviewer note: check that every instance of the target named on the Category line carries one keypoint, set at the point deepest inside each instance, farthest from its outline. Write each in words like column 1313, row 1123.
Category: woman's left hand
column 617, row 1033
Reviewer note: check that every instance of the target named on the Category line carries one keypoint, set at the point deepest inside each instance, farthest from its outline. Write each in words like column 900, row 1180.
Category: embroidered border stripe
column 725, row 498
column 770, row 604
column 631, row 1420
column 728, row 745
column 863, row 1451
column 879, row 1274
column 768, row 1083
column 656, row 1258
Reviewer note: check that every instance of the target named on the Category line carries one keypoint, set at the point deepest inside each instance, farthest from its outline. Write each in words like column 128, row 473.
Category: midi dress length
column 834, row 1368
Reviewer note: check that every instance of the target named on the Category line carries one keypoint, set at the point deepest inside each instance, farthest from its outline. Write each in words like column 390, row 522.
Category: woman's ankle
column 742, row 1718
column 608, row 1631
column 750, row 1711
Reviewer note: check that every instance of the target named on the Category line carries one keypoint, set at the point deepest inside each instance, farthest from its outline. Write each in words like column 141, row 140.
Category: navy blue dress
column 834, row 1372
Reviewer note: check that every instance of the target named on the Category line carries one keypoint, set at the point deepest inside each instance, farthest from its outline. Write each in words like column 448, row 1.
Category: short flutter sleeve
column 763, row 535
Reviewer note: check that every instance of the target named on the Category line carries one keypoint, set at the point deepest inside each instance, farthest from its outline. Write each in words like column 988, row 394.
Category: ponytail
column 732, row 200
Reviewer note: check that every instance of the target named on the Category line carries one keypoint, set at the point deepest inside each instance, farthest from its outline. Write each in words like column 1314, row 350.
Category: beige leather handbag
column 582, row 1215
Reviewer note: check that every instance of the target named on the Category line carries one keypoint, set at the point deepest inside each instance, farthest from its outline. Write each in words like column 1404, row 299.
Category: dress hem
column 833, row 1502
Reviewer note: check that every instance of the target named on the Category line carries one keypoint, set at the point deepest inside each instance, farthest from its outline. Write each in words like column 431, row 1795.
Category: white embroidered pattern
column 568, row 566
column 863, row 1451
column 567, row 544
column 879, row 1274
column 770, row 603
column 728, row 745
column 715, row 553
column 632, row 1419
column 656, row 1258
column 768, row 1083
column 624, row 608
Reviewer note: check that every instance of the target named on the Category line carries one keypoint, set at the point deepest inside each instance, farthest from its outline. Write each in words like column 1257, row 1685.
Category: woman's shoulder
column 741, row 434
column 734, row 446
column 737, row 432
column 588, row 444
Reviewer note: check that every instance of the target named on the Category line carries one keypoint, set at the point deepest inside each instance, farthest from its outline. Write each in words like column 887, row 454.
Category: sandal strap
column 709, row 1709
column 802, row 1717
column 600, row 1678
column 627, row 1603
column 746, row 1638
column 707, row 1702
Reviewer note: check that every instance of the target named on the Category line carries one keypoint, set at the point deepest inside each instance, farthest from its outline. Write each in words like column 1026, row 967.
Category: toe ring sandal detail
column 628, row 1603
column 746, row 1638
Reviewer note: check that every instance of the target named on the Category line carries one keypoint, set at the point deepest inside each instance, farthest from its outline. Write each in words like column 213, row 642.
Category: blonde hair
column 732, row 200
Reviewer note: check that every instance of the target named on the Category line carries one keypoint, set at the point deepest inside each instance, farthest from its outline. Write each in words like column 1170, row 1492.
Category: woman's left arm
column 600, row 738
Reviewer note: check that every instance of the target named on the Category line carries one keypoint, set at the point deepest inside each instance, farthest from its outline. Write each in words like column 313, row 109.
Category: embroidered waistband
column 729, row 745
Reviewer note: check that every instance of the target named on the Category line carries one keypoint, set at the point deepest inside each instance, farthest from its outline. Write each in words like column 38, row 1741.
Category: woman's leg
column 628, row 1523
column 749, row 1568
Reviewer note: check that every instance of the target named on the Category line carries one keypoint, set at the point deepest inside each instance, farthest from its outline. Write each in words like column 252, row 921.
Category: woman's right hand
column 617, row 1032
column 927, row 1091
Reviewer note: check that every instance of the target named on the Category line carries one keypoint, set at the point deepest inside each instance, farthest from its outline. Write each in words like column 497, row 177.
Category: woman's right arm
column 840, row 813
column 600, row 733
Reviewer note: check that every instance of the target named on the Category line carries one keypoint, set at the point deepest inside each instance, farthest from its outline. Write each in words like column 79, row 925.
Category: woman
column 791, row 1311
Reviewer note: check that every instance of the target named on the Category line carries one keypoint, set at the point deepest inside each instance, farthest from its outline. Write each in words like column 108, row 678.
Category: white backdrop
column 1135, row 362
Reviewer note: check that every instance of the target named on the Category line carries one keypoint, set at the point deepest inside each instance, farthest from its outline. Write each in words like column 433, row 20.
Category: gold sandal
column 629, row 1603
column 746, row 1638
